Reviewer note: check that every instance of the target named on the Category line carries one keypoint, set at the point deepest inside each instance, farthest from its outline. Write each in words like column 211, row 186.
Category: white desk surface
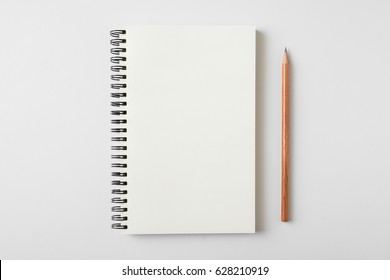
column 55, row 121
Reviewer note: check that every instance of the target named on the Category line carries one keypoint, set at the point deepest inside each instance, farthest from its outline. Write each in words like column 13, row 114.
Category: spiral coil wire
column 119, row 138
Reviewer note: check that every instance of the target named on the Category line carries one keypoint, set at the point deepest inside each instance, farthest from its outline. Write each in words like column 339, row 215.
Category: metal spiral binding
column 119, row 138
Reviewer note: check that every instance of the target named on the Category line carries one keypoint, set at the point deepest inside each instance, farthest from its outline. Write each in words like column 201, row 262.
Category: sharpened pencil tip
column 285, row 56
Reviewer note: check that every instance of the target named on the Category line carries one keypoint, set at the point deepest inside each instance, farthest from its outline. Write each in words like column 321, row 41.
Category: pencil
column 285, row 135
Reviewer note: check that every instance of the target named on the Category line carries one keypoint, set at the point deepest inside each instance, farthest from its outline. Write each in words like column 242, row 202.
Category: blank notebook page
column 191, row 129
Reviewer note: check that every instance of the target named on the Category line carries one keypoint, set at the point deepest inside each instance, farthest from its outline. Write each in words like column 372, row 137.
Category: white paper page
column 191, row 129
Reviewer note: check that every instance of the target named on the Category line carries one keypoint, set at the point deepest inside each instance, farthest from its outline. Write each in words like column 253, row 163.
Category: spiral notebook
column 183, row 129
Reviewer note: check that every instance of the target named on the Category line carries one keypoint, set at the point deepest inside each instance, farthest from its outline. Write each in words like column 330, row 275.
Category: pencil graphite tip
column 285, row 56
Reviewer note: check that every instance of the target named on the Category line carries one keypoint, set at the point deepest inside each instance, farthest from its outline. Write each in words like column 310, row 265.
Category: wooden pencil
column 285, row 135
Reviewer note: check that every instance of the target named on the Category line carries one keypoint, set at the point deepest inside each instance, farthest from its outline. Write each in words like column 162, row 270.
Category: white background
column 55, row 121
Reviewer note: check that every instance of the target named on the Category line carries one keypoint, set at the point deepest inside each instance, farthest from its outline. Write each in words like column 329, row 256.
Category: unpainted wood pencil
column 285, row 134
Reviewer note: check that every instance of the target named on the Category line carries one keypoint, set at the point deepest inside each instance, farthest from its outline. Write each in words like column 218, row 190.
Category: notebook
column 183, row 129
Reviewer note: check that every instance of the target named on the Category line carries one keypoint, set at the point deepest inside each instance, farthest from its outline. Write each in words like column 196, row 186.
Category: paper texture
column 191, row 129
